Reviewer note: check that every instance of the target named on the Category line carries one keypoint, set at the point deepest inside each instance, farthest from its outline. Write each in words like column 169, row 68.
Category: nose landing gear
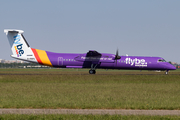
column 166, row 72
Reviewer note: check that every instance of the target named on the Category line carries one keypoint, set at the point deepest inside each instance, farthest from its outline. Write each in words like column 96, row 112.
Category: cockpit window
column 161, row 60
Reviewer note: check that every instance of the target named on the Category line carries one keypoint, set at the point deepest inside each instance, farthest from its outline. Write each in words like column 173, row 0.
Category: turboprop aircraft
column 92, row 59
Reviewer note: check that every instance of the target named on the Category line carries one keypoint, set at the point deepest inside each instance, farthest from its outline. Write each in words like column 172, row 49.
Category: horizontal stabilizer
column 13, row 30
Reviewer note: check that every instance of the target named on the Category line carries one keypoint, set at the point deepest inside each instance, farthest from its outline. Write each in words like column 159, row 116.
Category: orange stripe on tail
column 37, row 56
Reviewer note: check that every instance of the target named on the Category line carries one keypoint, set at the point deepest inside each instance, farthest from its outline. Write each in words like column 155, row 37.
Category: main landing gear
column 92, row 70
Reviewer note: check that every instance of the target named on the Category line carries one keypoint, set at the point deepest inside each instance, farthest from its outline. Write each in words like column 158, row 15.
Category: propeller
column 117, row 56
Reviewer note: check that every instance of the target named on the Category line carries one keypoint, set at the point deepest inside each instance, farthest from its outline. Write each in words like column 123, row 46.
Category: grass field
column 75, row 88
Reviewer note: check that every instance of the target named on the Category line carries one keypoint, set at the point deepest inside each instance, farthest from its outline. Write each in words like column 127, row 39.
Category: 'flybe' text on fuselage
column 136, row 62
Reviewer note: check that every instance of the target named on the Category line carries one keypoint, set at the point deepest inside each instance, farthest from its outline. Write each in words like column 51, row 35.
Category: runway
column 85, row 74
column 90, row 111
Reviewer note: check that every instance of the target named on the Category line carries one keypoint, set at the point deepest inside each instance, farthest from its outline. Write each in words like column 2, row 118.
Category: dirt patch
column 90, row 111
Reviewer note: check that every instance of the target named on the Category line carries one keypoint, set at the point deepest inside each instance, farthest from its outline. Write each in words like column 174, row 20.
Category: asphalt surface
column 87, row 74
column 90, row 111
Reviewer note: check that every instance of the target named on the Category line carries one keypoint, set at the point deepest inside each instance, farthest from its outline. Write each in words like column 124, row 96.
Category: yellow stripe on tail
column 44, row 58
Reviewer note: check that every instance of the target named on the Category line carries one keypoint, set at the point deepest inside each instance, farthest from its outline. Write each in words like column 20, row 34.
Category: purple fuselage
column 108, row 61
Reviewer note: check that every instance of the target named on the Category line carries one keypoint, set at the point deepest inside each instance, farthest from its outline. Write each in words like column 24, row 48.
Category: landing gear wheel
column 166, row 72
column 92, row 71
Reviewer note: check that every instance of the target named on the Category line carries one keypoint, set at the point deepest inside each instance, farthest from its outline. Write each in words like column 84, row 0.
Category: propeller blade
column 117, row 55
column 117, row 52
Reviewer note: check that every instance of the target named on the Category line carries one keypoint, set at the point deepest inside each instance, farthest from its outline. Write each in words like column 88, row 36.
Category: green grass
column 78, row 90
column 86, row 117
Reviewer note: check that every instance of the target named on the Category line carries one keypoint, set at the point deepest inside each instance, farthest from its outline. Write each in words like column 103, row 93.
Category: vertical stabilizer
column 19, row 46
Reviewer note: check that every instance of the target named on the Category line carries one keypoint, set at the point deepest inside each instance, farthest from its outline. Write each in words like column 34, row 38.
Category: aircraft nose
column 171, row 67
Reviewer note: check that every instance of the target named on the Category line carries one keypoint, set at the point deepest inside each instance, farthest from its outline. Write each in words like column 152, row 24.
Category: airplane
column 92, row 59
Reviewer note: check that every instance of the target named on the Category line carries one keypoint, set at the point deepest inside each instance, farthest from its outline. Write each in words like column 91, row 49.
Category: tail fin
column 19, row 46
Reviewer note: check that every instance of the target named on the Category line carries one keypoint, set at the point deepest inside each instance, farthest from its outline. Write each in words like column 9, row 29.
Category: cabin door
column 60, row 61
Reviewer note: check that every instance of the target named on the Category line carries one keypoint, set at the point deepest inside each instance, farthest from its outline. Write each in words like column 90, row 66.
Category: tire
column 92, row 72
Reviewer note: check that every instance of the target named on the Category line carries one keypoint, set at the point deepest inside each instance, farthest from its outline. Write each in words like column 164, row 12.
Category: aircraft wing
column 94, row 56
column 93, row 53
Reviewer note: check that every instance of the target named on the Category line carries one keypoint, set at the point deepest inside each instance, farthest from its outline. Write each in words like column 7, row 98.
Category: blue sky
column 135, row 27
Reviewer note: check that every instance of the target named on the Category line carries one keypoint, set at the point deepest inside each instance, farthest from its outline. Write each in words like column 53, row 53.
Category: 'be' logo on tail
column 18, row 48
